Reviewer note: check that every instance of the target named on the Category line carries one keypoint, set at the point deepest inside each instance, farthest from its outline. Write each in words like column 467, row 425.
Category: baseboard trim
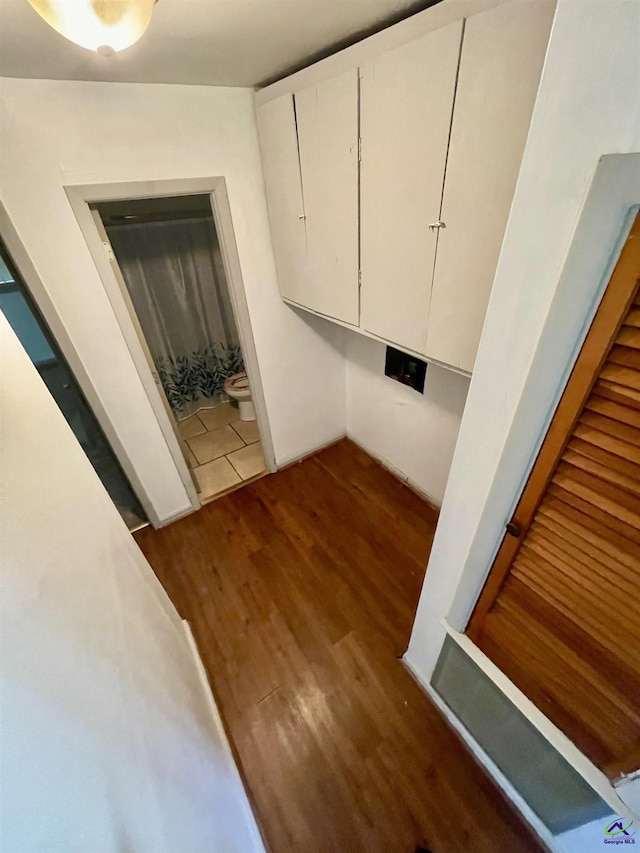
column 397, row 473
column 183, row 513
column 295, row 459
column 259, row 842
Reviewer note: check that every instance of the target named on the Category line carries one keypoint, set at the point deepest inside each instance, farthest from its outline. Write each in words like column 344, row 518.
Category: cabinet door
column 327, row 121
column 279, row 148
column 502, row 56
column 406, row 101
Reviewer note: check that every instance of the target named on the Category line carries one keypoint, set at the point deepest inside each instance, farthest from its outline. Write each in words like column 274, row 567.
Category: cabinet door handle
column 301, row 216
column 436, row 225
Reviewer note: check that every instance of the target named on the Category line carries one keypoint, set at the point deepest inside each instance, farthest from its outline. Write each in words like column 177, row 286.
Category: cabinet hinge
column 108, row 250
column 359, row 278
column 359, row 149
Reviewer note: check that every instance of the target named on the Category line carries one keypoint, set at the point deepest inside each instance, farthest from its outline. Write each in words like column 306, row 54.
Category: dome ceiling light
column 105, row 26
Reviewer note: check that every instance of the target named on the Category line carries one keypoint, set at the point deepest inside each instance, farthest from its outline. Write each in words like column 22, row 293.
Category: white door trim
column 231, row 260
column 80, row 197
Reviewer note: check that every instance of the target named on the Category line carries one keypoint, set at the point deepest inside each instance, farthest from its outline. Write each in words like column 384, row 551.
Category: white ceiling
column 207, row 42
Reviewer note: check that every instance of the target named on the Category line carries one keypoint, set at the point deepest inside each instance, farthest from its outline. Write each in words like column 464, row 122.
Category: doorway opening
column 167, row 257
column 35, row 336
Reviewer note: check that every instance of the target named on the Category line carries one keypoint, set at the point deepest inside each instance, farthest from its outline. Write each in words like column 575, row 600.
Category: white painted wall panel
column 413, row 434
column 406, row 102
column 60, row 132
column 107, row 738
column 502, row 55
column 281, row 164
column 327, row 117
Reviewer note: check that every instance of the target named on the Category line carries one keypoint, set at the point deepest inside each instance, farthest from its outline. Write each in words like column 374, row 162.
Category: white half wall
column 412, row 434
column 107, row 735
column 57, row 133
column 544, row 294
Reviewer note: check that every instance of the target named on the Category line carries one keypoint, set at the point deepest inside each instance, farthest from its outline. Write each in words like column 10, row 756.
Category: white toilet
column 237, row 387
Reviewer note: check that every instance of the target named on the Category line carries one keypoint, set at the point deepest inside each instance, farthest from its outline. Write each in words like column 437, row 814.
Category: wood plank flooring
column 301, row 590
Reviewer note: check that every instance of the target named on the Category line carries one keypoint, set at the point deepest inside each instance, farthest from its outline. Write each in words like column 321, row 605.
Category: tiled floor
column 222, row 450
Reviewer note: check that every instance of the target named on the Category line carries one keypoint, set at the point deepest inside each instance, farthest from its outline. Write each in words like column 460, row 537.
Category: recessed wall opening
column 167, row 257
column 406, row 369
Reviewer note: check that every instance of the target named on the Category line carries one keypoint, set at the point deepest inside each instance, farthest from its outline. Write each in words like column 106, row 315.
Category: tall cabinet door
column 327, row 121
column 500, row 66
column 279, row 148
column 406, row 102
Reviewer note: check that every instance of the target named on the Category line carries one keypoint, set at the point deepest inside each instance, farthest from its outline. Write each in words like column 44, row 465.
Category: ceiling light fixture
column 101, row 25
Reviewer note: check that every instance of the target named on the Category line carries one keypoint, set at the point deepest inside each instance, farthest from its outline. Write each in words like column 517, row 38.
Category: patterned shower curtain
column 175, row 277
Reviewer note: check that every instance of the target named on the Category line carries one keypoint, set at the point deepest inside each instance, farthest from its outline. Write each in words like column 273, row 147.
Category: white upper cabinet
column 279, row 149
column 406, row 104
column 502, row 56
column 443, row 119
column 327, row 122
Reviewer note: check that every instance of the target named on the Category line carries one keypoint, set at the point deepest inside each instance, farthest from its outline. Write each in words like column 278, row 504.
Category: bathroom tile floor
column 223, row 451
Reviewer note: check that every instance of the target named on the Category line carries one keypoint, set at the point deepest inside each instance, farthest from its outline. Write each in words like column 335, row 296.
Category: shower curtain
column 175, row 277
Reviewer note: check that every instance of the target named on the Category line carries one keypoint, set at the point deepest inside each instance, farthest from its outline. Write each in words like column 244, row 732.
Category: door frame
column 80, row 197
column 41, row 298
column 612, row 310
column 610, row 207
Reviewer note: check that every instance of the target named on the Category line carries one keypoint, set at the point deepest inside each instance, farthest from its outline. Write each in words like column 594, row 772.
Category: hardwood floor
column 301, row 589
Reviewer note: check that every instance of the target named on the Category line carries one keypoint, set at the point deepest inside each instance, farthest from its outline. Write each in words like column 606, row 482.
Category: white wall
column 543, row 295
column 55, row 133
column 106, row 734
column 411, row 433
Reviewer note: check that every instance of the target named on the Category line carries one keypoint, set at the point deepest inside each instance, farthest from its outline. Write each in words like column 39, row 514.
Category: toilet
column 237, row 387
